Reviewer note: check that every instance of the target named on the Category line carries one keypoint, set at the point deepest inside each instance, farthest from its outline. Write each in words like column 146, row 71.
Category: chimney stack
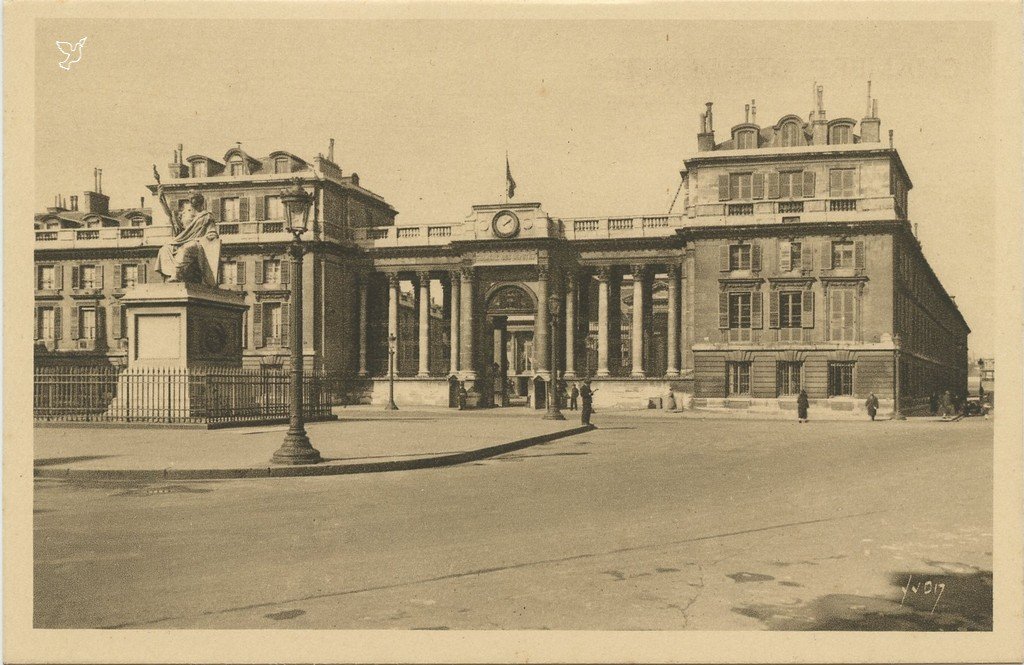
column 142, row 202
column 746, row 113
column 753, row 111
column 181, row 153
column 711, row 126
column 99, row 182
column 706, row 138
column 871, row 126
column 869, row 98
column 74, row 202
column 890, row 138
column 330, row 152
column 95, row 179
column 819, row 128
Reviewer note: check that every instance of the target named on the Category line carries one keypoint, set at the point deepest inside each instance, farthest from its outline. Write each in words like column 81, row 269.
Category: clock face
column 505, row 224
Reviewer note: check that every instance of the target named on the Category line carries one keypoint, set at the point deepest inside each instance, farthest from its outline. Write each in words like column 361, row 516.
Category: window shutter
column 807, row 309
column 756, row 318
column 723, row 258
column 76, row 277
column 758, row 186
column 773, row 185
column 58, row 277
column 785, row 256
column 99, row 276
column 835, row 183
column 76, row 318
column 101, row 322
column 723, row 187
column 260, row 209
column 142, row 273
column 243, row 209
column 286, row 271
column 115, row 320
column 826, row 255
column 37, row 333
column 257, row 325
column 118, row 268
column 808, row 184
column 240, row 272
column 723, row 310
column 773, row 309
column 286, row 324
column 848, row 188
column 806, row 256
column 58, row 322
column 858, row 255
column 258, row 272
column 755, row 257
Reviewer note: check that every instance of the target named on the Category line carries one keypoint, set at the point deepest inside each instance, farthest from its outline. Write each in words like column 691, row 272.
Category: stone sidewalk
column 362, row 440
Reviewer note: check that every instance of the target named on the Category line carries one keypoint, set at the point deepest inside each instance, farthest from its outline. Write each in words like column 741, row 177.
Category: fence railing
column 172, row 395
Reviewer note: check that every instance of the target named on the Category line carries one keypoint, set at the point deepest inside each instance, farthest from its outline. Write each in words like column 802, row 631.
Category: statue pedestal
column 175, row 324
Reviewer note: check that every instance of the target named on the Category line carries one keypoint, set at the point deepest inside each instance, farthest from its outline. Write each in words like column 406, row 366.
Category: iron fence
column 174, row 395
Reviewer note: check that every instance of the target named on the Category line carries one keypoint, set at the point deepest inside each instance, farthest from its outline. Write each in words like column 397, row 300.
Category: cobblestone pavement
column 642, row 524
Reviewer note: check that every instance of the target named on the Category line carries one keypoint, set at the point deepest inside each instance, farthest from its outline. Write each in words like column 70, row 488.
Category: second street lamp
column 296, row 448
column 553, row 412
column 392, row 344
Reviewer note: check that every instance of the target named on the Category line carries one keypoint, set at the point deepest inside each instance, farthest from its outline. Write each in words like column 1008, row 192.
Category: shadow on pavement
column 923, row 601
column 53, row 461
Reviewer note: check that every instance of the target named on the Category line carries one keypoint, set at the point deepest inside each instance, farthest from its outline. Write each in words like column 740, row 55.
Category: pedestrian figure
column 463, row 396
column 933, row 403
column 801, row 406
column 947, row 405
column 587, row 395
column 573, row 396
column 872, row 405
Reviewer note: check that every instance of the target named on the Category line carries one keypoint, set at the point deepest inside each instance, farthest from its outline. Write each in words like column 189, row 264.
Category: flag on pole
column 510, row 184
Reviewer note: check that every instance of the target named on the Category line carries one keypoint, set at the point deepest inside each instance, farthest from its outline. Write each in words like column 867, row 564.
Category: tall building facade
column 791, row 265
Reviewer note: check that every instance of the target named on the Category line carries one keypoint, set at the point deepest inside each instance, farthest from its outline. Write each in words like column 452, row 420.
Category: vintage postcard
column 512, row 332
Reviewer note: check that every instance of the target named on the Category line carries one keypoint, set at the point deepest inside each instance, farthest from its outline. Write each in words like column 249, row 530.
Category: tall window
column 46, row 324
column 281, row 165
column 790, row 309
column 842, row 314
column 840, row 379
column 274, row 208
column 229, row 273
column 740, row 185
column 229, row 209
column 843, row 254
column 841, row 183
column 839, row 134
column 738, row 378
column 790, row 134
column 272, row 322
column 787, row 378
column 199, row 169
column 791, row 184
column 87, row 323
column 746, row 139
column 739, row 257
column 272, row 271
column 237, row 168
column 739, row 311
column 46, row 278
column 129, row 275
column 88, row 278
column 790, row 256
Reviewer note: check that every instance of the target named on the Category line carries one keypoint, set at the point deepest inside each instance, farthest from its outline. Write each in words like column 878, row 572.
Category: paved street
column 645, row 523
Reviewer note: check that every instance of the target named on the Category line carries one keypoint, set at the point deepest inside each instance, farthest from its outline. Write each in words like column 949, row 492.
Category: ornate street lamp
column 392, row 347
column 296, row 448
column 553, row 412
column 896, row 411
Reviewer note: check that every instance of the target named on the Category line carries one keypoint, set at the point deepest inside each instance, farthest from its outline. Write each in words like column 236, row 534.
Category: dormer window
column 199, row 169
column 282, row 165
column 746, row 139
column 789, row 135
column 237, row 166
column 840, row 134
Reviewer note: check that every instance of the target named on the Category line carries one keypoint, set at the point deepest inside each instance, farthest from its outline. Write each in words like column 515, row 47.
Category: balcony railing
column 734, row 209
column 46, row 236
column 87, row 235
column 439, row 231
column 655, row 222
column 585, row 225
column 378, row 234
column 621, row 224
column 131, row 233
column 791, row 206
column 407, row 232
column 842, row 205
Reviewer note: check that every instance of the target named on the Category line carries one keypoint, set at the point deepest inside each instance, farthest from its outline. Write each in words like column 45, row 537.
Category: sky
column 597, row 117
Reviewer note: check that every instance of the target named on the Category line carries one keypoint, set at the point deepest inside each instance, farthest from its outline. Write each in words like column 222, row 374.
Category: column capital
column 603, row 273
column 639, row 270
column 674, row 271
column 423, row 276
column 392, row 276
column 467, row 272
column 544, row 272
column 571, row 279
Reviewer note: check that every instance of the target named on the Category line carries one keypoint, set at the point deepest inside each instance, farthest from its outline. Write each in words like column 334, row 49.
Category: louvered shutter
column 58, row 322
column 258, row 272
column 785, row 256
column 76, row 277
column 118, row 268
column 826, row 255
column 723, row 310
column 806, row 256
column 773, row 309
column 758, row 186
column 773, row 185
column 286, row 271
column 723, row 187
column 76, row 318
column 240, row 272
column 808, row 184
column 116, row 320
column 755, row 257
column 260, row 213
column 99, row 277
column 243, row 209
column 58, row 277
column 835, row 183
column 723, row 258
column 142, row 272
column 807, row 309
column 213, row 205
column 37, row 333
column 257, row 325
column 286, row 324
column 858, row 255
column 756, row 318
column 101, row 322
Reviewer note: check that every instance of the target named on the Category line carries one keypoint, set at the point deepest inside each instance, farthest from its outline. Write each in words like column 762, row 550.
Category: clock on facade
column 505, row 224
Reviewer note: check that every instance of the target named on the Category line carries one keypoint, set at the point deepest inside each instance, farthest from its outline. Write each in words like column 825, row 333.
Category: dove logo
column 72, row 51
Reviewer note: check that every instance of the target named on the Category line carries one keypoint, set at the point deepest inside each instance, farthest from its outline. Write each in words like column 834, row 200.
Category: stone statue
column 193, row 256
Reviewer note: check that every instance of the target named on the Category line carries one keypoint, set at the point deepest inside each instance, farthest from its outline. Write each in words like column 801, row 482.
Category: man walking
column 872, row 405
column 802, row 403
column 573, row 397
column 587, row 395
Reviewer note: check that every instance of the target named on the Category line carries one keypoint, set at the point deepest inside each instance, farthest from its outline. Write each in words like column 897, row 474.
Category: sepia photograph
column 493, row 333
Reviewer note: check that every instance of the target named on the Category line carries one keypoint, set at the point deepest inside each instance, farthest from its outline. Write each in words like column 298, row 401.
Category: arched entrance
column 511, row 309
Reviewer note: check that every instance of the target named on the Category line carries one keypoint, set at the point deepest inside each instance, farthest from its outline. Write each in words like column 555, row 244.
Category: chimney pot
column 753, row 111
column 746, row 113
column 99, row 185
column 890, row 138
column 142, row 202
column 330, row 151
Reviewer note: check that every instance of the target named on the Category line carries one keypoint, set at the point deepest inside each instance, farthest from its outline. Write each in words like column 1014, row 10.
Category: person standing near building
column 573, row 397
column 587, row 395
column 947, row 405
column 463, row 396
column 802, row 403
column 872, row 405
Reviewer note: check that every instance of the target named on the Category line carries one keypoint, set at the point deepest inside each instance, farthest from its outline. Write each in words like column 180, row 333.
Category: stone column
column 672, row 334
column 637, row 333
column 541, row 343
column 570, row 326
column 363, row 323
column 468, row 327
column 453, row 314
column 424, row 306
column 603, row 277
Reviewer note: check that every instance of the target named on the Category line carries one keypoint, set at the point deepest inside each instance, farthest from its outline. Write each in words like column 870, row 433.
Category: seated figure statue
column 193, row 256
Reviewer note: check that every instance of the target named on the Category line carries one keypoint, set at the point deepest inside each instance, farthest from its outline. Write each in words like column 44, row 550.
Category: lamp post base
column 391, row 406
column 553, row 415
column 296, row 449
column 898, row 416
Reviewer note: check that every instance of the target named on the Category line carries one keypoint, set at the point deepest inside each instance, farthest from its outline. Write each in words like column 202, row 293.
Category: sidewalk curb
column 309, row 470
